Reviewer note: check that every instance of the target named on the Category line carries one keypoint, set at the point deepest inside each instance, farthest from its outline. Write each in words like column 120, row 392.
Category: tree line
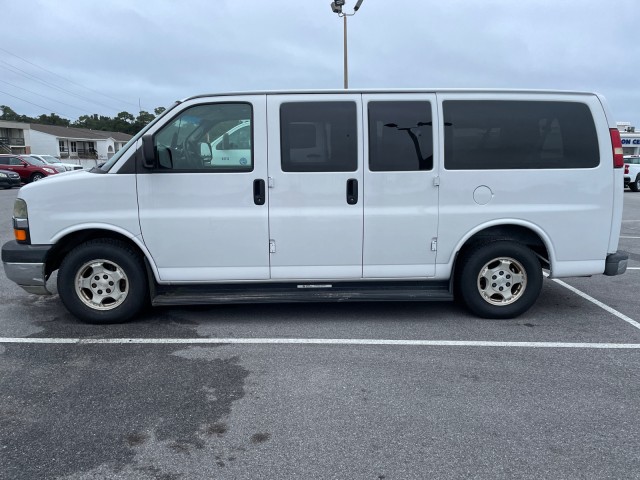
column 124, row 122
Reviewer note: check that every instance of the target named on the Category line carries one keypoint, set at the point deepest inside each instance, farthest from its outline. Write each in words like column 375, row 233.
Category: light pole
column 336, row 7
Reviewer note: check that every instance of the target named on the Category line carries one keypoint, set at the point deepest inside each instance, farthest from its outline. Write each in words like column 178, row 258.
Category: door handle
column 258, row 192
column 352, row 191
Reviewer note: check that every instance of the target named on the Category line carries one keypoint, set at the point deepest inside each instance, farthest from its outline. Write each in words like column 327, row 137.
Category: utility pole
column 336, row 7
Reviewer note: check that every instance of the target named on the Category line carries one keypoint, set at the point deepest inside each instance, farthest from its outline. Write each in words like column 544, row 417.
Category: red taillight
column 626, row 169
column 616, row 145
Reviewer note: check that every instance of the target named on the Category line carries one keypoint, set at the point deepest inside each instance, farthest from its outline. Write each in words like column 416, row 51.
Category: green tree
column 142, row 120
column 52, row 119
column 124, row 122
column 11, row 116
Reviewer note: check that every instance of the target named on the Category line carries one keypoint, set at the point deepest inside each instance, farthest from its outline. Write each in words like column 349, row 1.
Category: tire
column 37, row 176
column 103, row 281
column 500, row 279
column 635, row 185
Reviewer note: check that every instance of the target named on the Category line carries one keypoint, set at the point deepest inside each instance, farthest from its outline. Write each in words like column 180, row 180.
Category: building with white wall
column 14, row 137
column 630, row 138
column 76, row 143
column 59, row 141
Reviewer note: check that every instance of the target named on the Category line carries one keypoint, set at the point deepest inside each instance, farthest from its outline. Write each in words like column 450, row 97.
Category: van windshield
column 105, row 167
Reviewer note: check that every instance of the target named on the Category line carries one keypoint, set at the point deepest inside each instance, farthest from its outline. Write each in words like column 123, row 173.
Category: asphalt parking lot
column 345, row 391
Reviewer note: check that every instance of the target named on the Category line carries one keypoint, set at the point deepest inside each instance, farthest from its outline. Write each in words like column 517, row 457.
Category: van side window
column 319, row 137
column 207, row 138
column 487, row 135
column 400, row 136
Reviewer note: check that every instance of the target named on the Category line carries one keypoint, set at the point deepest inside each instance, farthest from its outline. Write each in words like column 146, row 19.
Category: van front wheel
column 103, row 281
column 499, row 279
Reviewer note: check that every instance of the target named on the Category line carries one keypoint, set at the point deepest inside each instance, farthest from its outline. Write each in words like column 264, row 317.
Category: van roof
column 393, row 90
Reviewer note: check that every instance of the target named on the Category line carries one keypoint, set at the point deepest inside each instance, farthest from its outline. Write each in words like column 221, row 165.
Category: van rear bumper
column 24, row 265
column 616, row 263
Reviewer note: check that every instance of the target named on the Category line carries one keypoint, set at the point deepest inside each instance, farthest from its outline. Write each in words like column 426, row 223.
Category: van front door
column 203, row 211
column 315, row 180
column 400, row 186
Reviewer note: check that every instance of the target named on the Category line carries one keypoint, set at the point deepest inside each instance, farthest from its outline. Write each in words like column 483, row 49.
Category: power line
column 40, row 106
column 48, row 98
column 12, row 68
column 66, row 79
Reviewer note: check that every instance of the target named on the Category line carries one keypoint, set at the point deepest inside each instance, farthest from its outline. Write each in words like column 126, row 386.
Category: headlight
column 20, row 209
column 21, row 221
column 3, row 175
column 49, row 170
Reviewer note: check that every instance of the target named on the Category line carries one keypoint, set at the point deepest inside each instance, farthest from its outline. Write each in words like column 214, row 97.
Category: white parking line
column 314, row 341
column 625, row 236
column 609, row 309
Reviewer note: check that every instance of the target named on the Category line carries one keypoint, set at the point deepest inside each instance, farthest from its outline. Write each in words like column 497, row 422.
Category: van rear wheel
column 103, row 281
column 500, row 279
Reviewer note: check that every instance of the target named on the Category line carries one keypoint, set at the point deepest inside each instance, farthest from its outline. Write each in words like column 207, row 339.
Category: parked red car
column 30, row 169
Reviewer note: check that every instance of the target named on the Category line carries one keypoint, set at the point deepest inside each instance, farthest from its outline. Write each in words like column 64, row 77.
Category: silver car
column 57, row 164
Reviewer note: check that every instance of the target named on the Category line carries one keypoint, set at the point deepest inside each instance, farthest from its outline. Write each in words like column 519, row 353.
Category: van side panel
column 81, row 199
column 572, row 206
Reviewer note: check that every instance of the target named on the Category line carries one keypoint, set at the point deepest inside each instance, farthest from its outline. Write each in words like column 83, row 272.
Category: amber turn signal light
column 21, row 235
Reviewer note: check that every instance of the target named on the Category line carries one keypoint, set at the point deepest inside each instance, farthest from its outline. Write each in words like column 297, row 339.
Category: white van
column 332, row 196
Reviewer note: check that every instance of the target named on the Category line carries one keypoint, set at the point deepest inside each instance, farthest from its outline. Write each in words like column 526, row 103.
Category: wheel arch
column 527, row 234
column 67, row 241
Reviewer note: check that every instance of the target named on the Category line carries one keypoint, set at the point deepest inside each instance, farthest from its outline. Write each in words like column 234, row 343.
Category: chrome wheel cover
column 502, row 281
column 101, row 284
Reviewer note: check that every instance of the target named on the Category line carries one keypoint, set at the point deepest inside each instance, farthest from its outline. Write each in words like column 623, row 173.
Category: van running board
column 302, row 292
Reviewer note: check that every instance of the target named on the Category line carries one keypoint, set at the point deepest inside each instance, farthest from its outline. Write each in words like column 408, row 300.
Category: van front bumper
column 24, row 265
column 616, row 263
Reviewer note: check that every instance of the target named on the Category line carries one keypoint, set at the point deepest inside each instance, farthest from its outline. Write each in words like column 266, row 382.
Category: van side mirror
column 148, row 152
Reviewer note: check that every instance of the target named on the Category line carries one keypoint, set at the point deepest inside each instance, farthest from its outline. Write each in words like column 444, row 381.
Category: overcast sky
column 80, row 56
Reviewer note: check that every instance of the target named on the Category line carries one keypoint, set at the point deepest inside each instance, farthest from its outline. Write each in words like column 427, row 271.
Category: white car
column 55, row 162
column 632, row 172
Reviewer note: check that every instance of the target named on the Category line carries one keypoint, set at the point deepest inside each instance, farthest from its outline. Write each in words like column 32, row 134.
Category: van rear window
column 490, row 135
